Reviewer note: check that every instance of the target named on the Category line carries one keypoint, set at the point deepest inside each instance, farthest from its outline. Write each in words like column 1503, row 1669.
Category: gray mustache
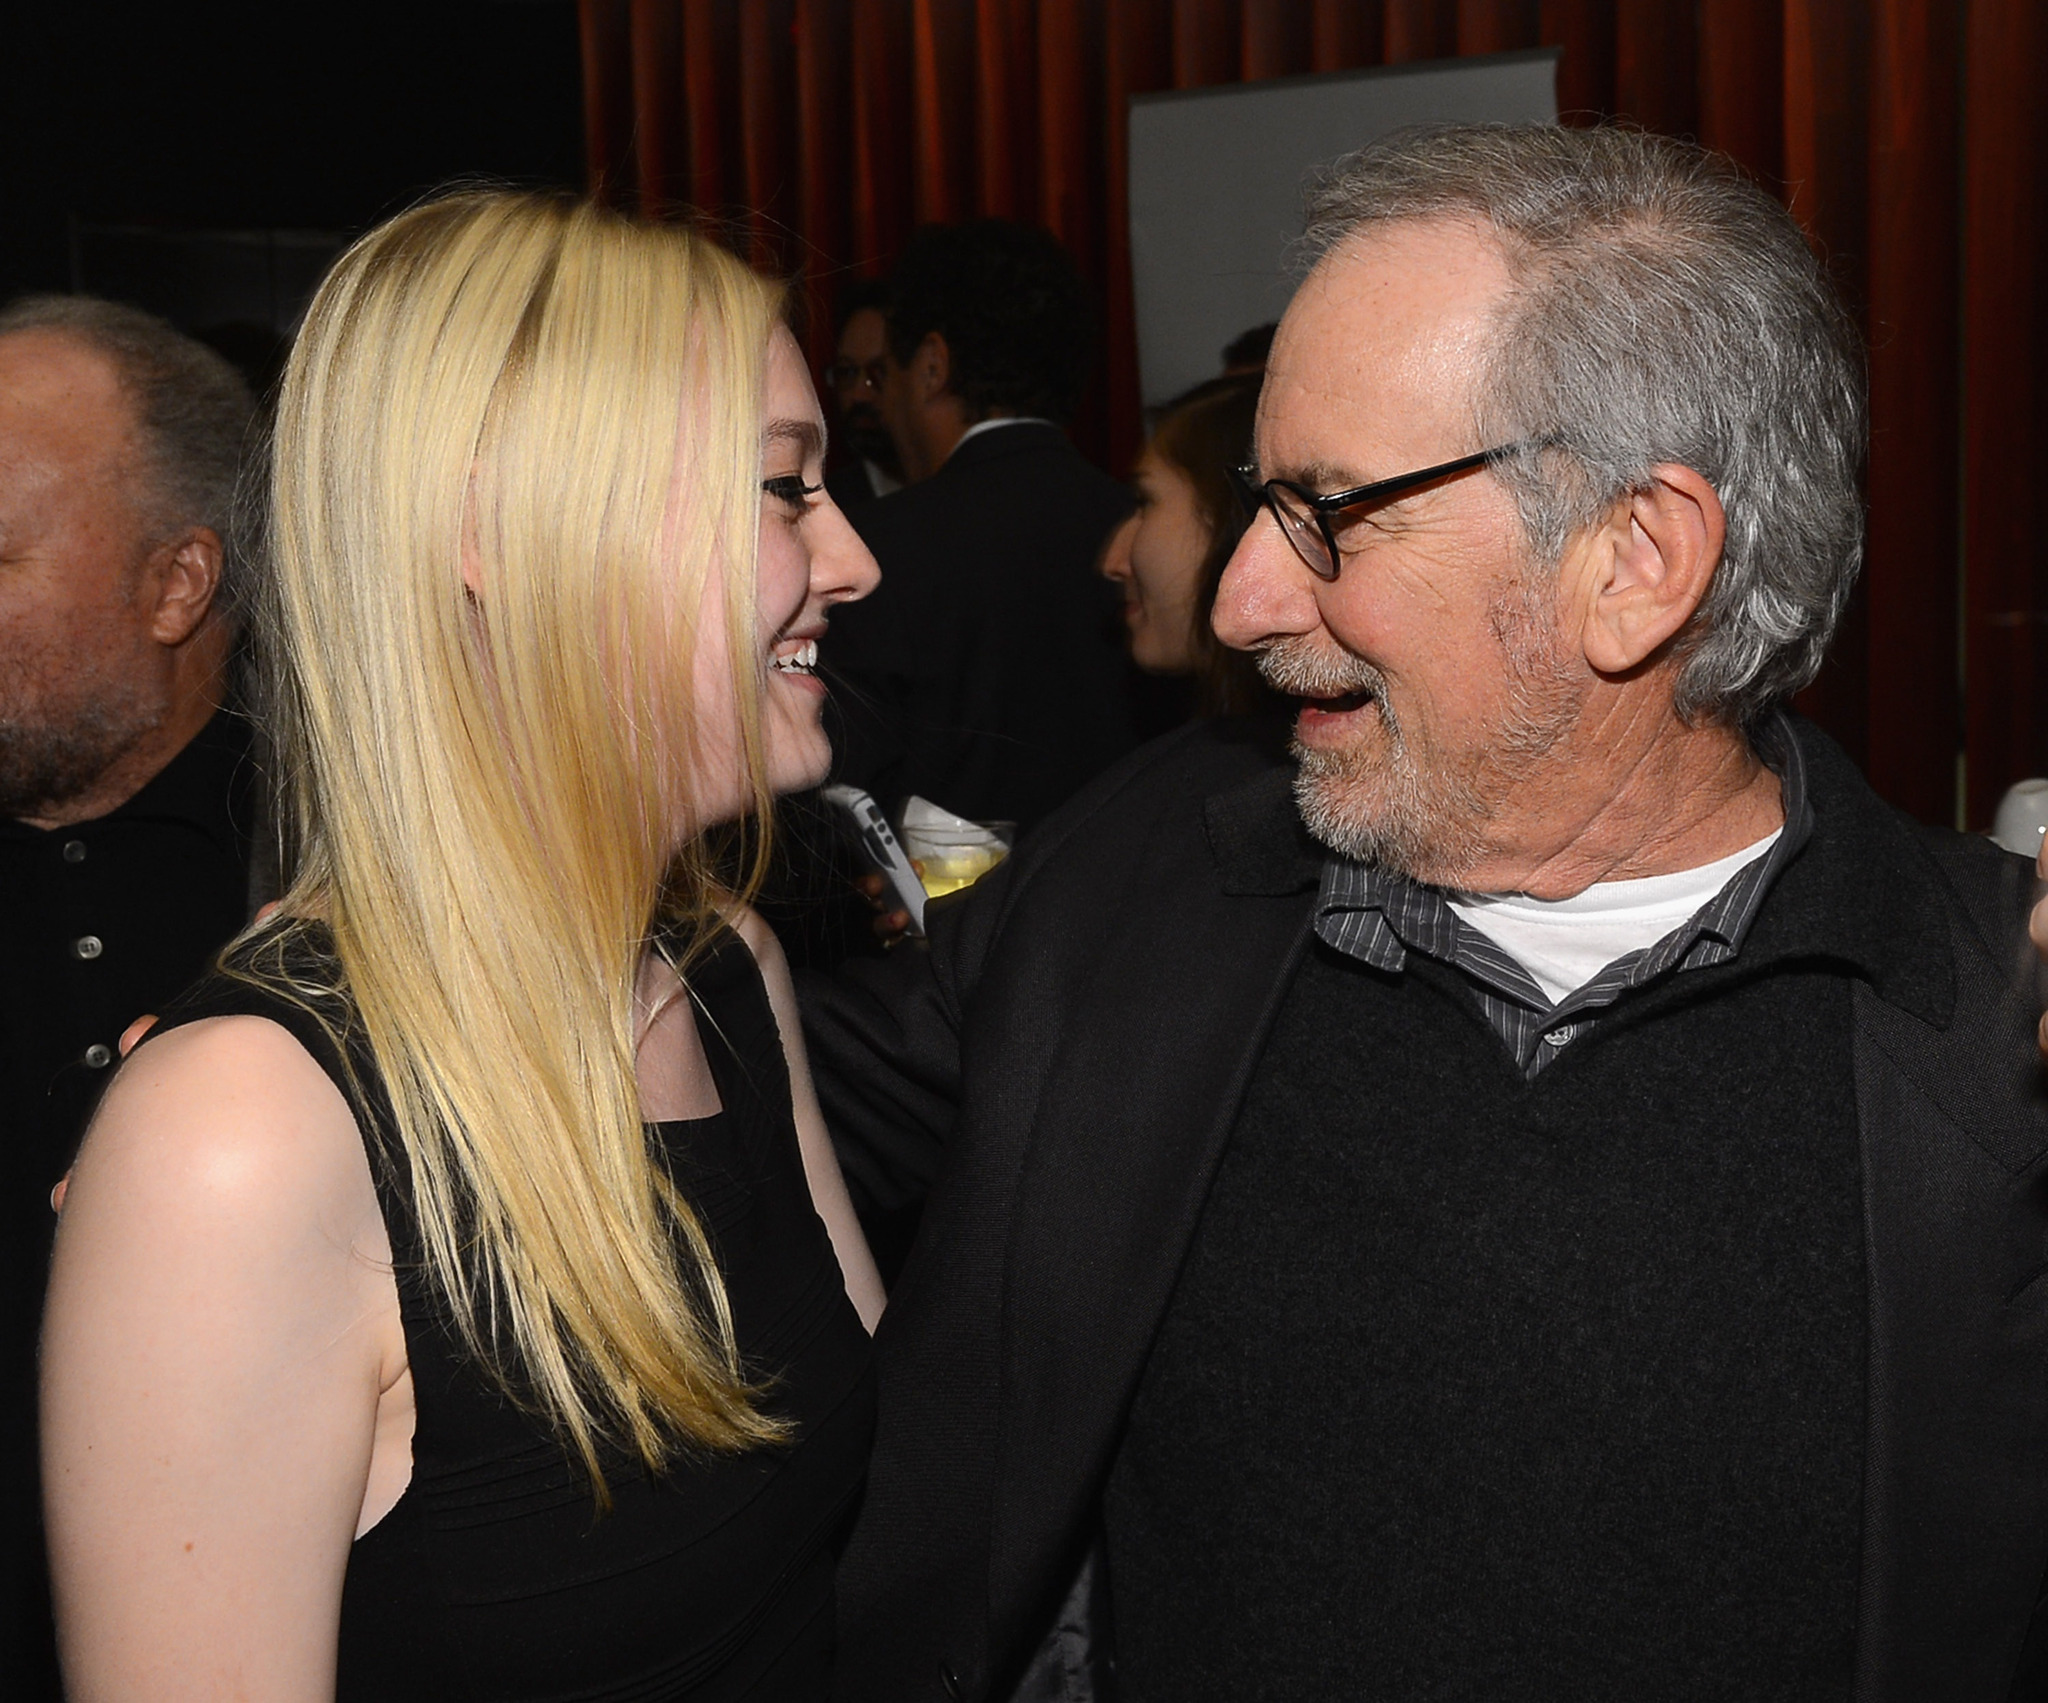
column 1302, row 669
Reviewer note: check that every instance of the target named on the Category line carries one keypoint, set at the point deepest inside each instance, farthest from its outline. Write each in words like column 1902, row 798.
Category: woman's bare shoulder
column 218, row 1116
column 752, row 928
column 222, row 1323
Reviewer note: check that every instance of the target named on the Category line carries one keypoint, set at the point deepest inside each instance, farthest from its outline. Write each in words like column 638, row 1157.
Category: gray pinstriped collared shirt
column 1379, row 918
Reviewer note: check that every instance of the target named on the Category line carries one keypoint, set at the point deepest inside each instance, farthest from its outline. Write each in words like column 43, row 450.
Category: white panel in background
column 1217, row 177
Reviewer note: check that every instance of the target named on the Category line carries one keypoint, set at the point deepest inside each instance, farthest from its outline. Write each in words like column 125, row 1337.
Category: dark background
column 205, row 160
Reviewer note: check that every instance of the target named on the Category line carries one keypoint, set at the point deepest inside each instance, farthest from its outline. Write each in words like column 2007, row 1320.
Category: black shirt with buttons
column 101, row 921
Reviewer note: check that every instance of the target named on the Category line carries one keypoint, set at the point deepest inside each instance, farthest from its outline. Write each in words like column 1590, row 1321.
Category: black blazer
column 988, row 673
column 1067, row 1062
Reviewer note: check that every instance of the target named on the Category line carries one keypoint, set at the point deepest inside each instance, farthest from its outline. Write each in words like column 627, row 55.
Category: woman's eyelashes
column 790, row 490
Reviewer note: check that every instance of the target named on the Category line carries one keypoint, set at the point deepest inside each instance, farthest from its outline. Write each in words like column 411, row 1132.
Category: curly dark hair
column 1013, row 311
column 859, row 295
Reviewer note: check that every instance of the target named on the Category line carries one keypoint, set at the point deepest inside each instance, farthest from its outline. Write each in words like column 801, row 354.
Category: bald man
column 126, row 791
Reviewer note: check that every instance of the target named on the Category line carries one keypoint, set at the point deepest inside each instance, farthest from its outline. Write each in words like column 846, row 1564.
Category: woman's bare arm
column 821, row 1164
column 222, row 1324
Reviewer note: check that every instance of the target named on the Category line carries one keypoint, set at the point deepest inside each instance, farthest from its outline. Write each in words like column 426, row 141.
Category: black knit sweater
column 1478, row 1388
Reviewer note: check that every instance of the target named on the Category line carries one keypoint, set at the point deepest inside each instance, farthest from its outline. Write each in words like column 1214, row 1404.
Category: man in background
column 871, row 468
column 126, row 790
column 988, row 674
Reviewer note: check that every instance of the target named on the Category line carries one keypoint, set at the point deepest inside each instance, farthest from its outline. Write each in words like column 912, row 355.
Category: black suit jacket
column 849, row 484
column 988, row 672
column 1067, row 1062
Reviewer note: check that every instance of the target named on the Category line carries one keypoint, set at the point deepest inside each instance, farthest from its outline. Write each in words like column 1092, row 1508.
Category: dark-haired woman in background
column 1169, row 556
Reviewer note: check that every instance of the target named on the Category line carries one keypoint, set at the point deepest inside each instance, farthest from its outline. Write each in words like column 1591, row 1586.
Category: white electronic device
column 884, row 850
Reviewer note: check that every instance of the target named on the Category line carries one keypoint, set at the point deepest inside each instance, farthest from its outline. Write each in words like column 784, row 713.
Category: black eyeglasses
column 848, row 375
column 1304, row 515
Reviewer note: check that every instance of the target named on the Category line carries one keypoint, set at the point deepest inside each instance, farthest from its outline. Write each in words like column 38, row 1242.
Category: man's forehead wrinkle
column 1366, row 418
column 29, row 473
column 1377, row 363
column 62, row 371
column 65, row 401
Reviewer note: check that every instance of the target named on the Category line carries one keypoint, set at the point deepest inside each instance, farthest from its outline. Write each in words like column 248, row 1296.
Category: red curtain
column 1904, row 134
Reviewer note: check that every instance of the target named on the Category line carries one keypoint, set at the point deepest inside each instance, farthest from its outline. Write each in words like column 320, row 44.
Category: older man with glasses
column 1542, row 1193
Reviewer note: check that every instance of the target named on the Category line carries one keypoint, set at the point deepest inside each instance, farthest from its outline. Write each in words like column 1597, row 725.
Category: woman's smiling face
column 809, row 559
column 1157, row 557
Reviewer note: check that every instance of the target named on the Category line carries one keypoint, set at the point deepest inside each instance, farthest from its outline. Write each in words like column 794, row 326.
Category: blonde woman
column 456, row 1296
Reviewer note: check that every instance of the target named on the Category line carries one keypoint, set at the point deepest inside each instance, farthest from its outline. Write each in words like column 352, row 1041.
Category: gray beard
column 51, row 754
column 1421, row 813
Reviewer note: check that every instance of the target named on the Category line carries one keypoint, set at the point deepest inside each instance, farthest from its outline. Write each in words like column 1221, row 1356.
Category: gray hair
column 1665, row 309
column 192, row 410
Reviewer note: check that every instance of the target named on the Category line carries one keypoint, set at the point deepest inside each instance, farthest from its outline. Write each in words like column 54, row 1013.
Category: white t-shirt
column 997, row 424
column 1565, row 943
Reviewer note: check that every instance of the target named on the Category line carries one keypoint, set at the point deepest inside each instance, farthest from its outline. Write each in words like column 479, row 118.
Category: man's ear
column 184, row 575
column 932, row 366
column 1644, row 569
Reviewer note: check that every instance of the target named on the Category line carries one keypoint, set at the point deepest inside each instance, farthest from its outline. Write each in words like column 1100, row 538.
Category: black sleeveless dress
column 494, row 1577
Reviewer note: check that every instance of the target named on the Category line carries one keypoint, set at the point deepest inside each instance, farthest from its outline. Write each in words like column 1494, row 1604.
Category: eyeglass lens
column 847, row 375
column 1302, row 527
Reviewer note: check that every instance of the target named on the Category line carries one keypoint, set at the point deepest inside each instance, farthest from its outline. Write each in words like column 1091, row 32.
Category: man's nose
column 1265, row 592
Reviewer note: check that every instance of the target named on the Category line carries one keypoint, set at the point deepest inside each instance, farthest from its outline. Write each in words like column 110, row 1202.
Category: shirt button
column 87, row 946
column 74, row 851
column 99, row 1056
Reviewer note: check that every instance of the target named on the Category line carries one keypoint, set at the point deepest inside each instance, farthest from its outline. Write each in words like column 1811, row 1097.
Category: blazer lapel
column 1138, row 1105
column 1956, row 1500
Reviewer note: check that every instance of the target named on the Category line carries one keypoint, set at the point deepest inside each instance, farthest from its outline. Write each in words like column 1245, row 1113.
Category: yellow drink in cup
column 948, row 872
column 955, row 853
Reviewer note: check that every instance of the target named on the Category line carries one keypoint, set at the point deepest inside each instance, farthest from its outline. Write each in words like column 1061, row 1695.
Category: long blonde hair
column 483, row 783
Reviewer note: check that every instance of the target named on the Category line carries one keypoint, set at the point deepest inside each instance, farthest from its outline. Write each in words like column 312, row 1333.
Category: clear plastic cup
column 949, row 858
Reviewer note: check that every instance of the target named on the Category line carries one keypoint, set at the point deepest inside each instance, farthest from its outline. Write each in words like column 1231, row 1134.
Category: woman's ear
column 1645, row 568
